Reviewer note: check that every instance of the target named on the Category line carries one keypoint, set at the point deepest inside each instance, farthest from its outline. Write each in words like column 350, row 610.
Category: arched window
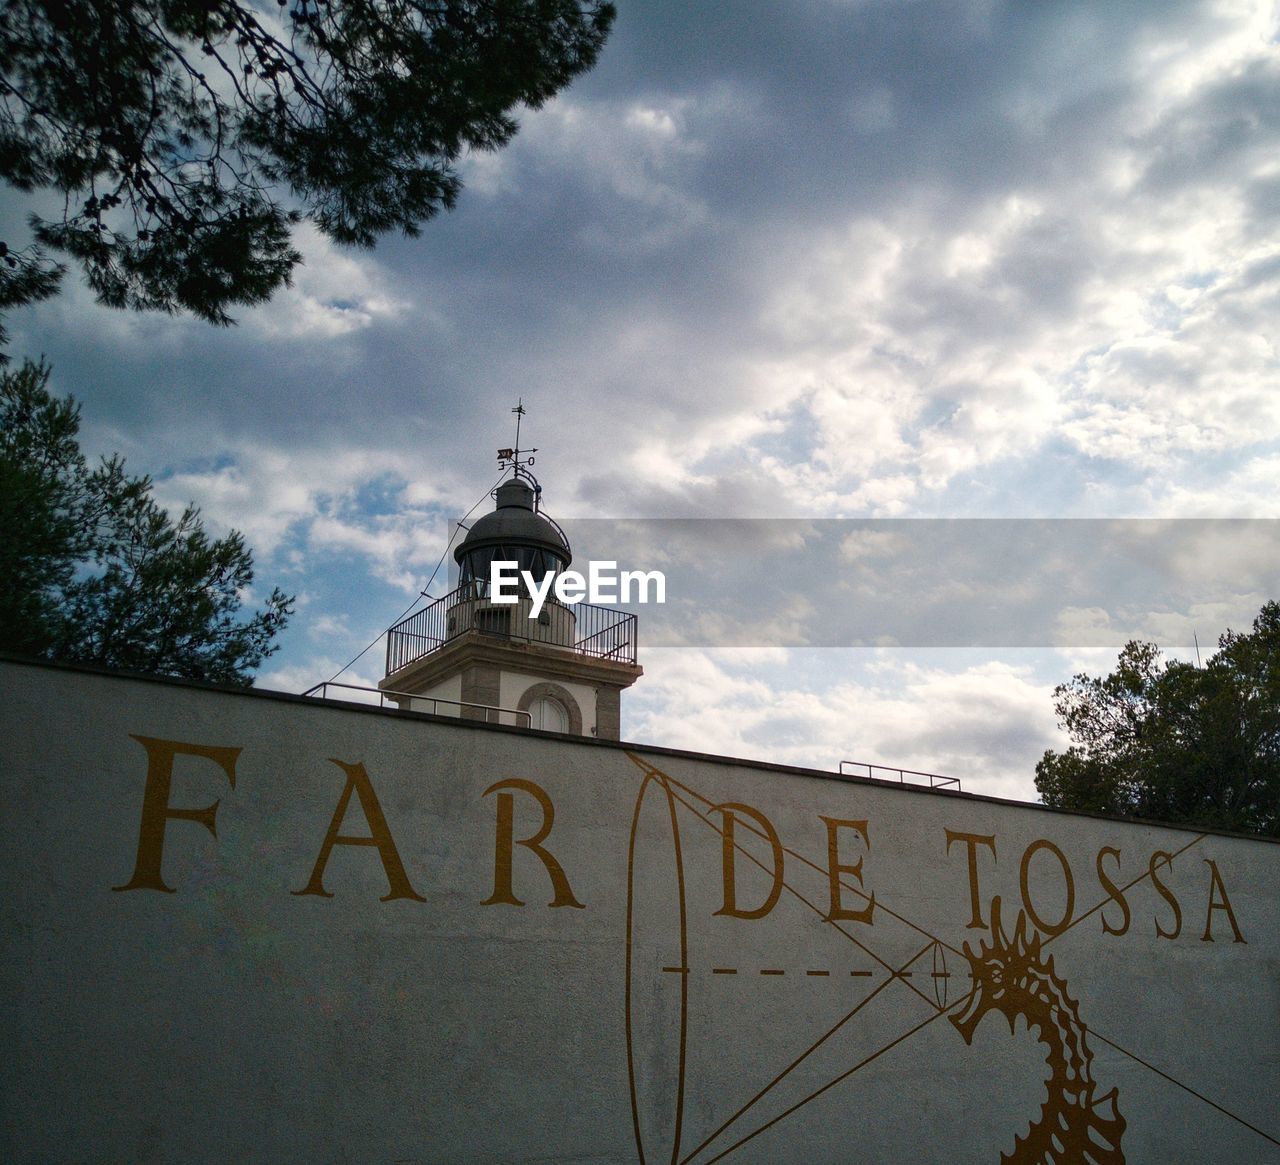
column 551, row 708
column 549, row 715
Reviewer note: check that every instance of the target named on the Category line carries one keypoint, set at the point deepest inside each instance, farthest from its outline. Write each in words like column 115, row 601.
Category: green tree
column 92, row 570
column 1176, row 742
column 174, row 129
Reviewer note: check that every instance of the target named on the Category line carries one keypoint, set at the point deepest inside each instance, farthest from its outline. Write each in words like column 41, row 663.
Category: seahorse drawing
column 1011, row 976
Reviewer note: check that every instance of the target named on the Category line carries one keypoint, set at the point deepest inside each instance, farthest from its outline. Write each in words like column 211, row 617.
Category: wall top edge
column 458, row 725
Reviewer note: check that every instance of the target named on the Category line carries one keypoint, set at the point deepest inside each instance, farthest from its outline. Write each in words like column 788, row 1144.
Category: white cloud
column 640, row 153
column 328, row 626
column 728, row 286
column 335, row 292
column 357, row 683
column 986, row 723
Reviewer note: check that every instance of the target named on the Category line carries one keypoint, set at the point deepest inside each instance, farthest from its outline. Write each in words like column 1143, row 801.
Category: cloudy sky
column 802, row 259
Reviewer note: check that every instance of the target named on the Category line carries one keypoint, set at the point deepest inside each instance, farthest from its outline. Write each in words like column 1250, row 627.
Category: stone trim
column 481, row 684
column 609, row 713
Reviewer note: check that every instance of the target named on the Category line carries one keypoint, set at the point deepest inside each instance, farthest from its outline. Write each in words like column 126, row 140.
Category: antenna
column 1197, row 643
column 516, row 458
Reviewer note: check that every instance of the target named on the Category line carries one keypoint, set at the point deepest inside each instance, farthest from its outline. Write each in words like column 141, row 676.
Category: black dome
column 514, row 532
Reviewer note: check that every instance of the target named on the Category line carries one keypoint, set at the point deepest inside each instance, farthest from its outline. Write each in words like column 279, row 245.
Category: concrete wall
column 545, row 950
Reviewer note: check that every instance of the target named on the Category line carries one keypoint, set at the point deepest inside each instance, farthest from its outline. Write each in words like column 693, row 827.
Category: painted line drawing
column 1011, row 977
column 1011, row 974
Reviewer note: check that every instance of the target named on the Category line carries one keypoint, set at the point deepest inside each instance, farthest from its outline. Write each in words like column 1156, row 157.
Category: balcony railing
column 600, row 632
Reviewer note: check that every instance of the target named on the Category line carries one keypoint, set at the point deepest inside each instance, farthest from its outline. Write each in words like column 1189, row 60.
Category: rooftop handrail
column 517, row 716
column 934, row 780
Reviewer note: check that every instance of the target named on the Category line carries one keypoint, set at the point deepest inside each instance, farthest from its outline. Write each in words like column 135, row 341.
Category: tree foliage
column 171, row 128
column 1173, row 741
column 92, row 570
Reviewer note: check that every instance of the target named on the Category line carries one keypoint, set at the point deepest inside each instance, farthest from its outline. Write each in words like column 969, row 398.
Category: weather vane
column 516, row 458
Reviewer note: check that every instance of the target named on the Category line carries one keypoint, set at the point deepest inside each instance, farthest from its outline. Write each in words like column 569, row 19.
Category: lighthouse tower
column 561, row 670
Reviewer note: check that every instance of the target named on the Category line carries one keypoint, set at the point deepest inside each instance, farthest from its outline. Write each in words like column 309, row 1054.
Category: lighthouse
column 512, row 659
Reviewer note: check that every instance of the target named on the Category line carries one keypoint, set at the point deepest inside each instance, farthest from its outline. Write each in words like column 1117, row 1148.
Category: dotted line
column 815, row 974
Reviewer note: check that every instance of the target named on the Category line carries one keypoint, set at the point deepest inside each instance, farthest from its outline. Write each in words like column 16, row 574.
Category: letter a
column 1218, row 887
column 379, row 837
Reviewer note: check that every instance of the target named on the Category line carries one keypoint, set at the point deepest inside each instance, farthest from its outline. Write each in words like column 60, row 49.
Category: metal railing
column 600, row 632
column 489, row 713
column 933, row 780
